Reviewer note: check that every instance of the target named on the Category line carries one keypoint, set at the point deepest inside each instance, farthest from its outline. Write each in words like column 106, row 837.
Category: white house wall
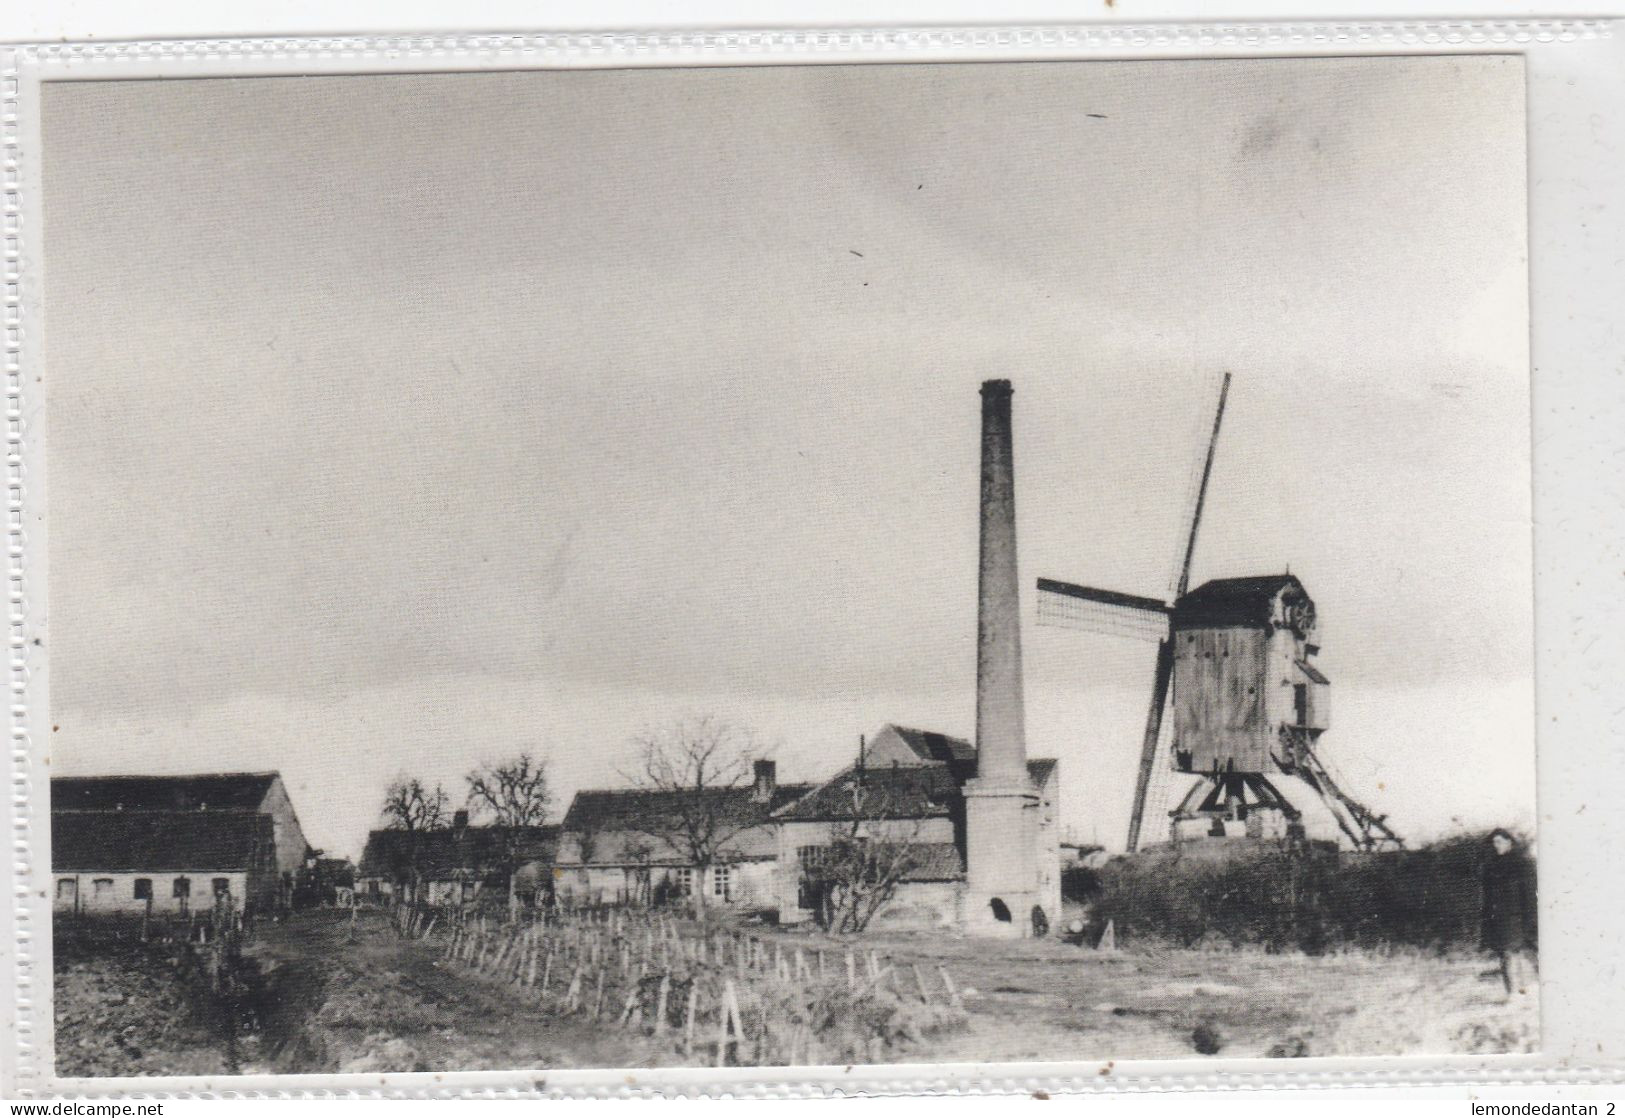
column 793, row 835
column 118, row 894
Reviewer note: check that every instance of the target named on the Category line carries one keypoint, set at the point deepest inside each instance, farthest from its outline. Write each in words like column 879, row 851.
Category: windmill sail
column 1091, row 610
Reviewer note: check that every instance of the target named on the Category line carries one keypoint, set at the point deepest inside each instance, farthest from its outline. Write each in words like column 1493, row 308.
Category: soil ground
column 377, row 1002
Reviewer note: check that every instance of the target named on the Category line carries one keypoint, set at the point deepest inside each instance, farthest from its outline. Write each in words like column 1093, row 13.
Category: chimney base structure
column 1001, row 846
column 1001, row 803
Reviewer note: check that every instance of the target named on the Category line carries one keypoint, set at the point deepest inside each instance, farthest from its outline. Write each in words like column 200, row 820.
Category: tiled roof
column 447, row 854
column 634, row 809
column 160, row 841
column 202, row 791
column 926, row 791
column 901, row 792
column 935, row 861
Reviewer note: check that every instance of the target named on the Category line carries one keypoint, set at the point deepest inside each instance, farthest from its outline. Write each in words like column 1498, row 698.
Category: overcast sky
column 398, row 422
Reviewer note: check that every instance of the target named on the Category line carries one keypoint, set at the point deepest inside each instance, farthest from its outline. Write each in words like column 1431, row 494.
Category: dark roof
column 159, row 841
column 1232, row 601
column 893, row 792
column 635, row 809
column 447, row 854
column 1039, row 769
column 211, row 791
column 925, row 791
column 932, row 746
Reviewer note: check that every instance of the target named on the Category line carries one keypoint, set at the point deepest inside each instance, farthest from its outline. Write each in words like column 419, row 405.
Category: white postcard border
column 1576, row 83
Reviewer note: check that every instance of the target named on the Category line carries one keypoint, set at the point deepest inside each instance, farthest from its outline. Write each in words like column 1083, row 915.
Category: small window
column 222, row 886
column 685, row 880
column 720, row 880
column 67, row 889
column 468, row 890
column 183, row 887
column 143, row 888
column 102, row 887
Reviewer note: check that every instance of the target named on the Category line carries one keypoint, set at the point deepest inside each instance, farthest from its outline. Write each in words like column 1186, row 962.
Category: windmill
column 1248, row 701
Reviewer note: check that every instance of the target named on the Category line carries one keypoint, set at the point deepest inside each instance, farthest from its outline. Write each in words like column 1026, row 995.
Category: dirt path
column 383, row 1003
column 322, row 1001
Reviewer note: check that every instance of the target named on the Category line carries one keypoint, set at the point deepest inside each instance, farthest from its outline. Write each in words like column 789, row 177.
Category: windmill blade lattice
column 1068, row 612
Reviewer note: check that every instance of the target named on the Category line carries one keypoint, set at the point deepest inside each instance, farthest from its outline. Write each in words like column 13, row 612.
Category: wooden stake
column 731, row 1023
column 919, row 980
column 572, row 1000
column 1108, row 938
column 948, row 985
column 688, row 1015
column 660, row 1004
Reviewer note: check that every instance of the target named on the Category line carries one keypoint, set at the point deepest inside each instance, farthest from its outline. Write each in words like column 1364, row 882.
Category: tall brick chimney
column 1001, row 733
column 1001, row 815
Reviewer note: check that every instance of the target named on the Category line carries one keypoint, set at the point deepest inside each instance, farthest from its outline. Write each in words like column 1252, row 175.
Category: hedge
column 1312, row 900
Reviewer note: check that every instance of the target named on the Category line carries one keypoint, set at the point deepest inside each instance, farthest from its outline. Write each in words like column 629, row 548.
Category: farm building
column 905, row 799
column 124, row 843
column 624, row 845
column 457, row 864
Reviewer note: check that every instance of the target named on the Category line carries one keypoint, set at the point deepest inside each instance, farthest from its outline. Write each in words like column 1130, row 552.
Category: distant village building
column 622, row 846
column 457, row 864
column 171, row 844
column 329, row 881
column 906, row 791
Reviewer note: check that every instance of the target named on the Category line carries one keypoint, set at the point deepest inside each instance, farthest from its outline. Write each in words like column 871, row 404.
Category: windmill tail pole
column 1148, row 748
column 1201, row 491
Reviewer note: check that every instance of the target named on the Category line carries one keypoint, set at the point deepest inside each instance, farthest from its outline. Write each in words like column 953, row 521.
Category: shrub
column 1311, row 900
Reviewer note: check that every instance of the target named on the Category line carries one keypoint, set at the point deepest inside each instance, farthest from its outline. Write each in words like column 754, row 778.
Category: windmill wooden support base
column 1367, row 830
column 1230, row 798
column 1233, row 797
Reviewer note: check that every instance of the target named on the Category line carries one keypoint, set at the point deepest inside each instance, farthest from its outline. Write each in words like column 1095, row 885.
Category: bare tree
column 689, row 769
column 873, row 848
column 416, row 810
column 515, row 795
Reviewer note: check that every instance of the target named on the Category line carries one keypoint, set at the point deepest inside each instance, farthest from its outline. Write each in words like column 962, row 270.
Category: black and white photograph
column 789, row 566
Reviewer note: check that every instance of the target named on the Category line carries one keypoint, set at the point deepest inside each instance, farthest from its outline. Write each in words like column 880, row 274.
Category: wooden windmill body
column 1249, row 704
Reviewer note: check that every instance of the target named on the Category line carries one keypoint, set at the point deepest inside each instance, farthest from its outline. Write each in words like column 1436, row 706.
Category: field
column 323, row 996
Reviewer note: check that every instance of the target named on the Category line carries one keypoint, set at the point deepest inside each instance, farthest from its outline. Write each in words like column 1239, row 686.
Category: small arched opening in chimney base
column 1001, row 911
